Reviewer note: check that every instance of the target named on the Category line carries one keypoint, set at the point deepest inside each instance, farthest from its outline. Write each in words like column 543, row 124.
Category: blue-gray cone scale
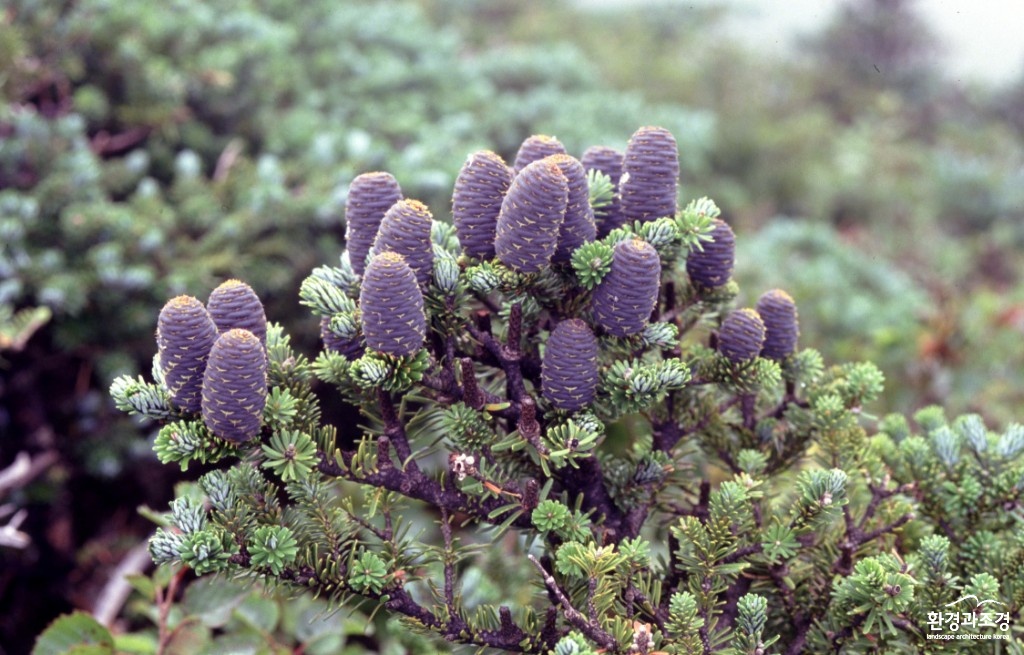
column 184, row 336
column 781, row 322
column 711, row 267
column 650, row 175
column 369, row 197
column 578, row 227
column 535, row 148
column 531, row 216
column 741, row 336
column 234, row 304
column 476, row 202
column 405, row 230
column 391, row 306
column 569, row 371
column 622, row 303
column 235, row 386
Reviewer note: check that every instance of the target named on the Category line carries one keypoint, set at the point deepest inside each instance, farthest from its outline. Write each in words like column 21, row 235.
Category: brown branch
column 576, row 619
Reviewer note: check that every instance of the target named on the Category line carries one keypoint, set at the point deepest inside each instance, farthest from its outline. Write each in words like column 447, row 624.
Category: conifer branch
column 576, row 619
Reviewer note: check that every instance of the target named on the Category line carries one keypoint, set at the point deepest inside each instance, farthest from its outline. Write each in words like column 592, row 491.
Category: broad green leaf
column 72, row 632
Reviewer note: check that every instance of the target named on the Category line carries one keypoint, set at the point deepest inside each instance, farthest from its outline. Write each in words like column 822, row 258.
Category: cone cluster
column 741, row 336
column 608, row 161
column 476, row 201
column 650, row 178
column 184, row 336
column 535, row 148
column 622, row 303
column 235, row 386
column 569, row 370
column 531, row 216
column 369, row 197
column 235, row 305
column 712, row 266
column 781, row 322
column 405, row 229
column 391, row 305
column 578, row 226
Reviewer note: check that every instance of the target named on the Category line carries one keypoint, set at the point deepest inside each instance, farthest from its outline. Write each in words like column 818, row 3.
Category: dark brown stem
column 417, row 485
column 576, row 619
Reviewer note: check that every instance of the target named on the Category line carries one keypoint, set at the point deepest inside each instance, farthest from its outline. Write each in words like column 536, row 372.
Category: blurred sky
column 984, row 38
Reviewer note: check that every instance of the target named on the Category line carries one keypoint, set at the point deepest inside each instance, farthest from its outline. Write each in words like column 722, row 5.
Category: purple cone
column 781, row 322
column 476, row 201
column 535, row 148
column 406, row 231
column 622, row 303
column 531, row 217
column 608, row 161
column 650, row 175
column 235, row 305
column 711, row 267
column 741, row 336
column 235, row 386
column 369, row 196
column 569, row 372
column 185, row 334
column 391, row 305
column 578, row 226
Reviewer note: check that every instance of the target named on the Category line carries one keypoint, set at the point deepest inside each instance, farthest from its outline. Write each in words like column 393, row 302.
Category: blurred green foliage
column 909, row 178
column 148, row 150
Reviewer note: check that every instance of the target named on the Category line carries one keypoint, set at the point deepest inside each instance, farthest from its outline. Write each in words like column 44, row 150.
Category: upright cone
column 650, row 175
column 741, row 336
column 531, row 217
column 535, row 148
column 391, row 306
column 235, row 386
column 235, row 305
column 622, row 303
column 578, row 227
column 712, row 266
column 405, row 230
column 569, row 371
column 781, row 322
column 369, row 197
column 476, row 201
column 185, row 334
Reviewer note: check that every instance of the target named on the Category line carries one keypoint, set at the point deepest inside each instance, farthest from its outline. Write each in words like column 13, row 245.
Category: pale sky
column 984, row 38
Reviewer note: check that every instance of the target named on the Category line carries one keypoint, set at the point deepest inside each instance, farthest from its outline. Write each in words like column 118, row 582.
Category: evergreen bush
column 645, row 472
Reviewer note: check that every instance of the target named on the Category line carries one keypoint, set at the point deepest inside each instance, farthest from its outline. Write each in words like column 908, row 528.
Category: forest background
column 149, row 150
